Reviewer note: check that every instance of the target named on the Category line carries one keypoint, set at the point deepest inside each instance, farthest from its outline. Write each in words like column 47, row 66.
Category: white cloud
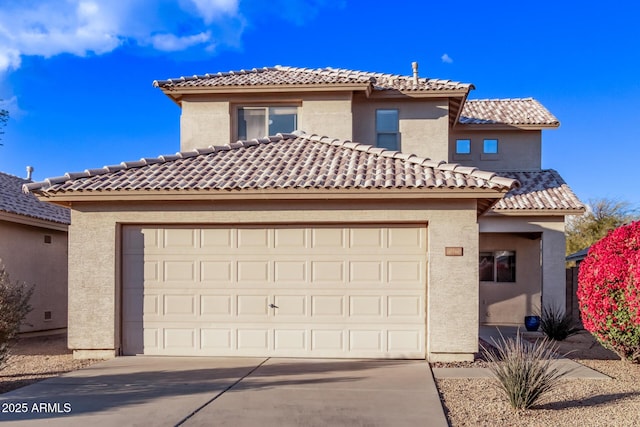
column 81, row 27
column 172, row 43
column 446, row 59
column 212, row 9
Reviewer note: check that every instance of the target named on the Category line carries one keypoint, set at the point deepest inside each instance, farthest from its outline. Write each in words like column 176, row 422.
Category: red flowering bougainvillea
column 609, row 291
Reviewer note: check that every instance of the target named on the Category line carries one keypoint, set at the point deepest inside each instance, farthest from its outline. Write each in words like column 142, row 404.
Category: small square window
column 498, row 266
column 490, row 146
column 463, row 146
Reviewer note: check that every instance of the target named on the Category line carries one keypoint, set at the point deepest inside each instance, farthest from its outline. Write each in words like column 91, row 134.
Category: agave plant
column 523, row 370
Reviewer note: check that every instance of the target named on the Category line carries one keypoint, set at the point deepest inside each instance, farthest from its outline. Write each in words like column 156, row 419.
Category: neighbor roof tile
column 525, row 111
column 290, row 161
column 14, row 201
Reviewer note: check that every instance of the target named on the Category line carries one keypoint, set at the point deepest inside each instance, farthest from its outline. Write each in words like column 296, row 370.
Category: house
column 299, row 244
column 33, row 248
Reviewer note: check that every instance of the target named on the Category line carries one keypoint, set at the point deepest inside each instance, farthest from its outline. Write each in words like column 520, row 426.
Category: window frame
column 261, row 106
column 490, row 155
column 463, row 153
column 495, row 270
column 395, row 132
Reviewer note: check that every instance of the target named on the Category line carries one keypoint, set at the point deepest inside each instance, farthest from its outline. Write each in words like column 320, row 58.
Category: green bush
column 556, row 324
column 524, row 371
column 14, row 307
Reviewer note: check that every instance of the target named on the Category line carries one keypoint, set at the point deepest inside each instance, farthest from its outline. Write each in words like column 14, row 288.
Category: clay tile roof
column 14, row 201
column 526, row 111
column 279, row 75
column 539, row 190
column 286, row 161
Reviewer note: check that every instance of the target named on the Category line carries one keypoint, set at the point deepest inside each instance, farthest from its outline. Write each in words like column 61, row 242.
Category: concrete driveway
column 171, row 391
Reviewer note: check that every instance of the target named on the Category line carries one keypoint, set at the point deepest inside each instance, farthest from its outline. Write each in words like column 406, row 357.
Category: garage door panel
column 178, row 238
column 275, row 291
column 216, row 305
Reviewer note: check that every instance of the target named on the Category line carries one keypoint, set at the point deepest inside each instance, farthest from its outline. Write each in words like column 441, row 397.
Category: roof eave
column 505, row 126
column 65, row 198
column 33, row 221
column 536, row 212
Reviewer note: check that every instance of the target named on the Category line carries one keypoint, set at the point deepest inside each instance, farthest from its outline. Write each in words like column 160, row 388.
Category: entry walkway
column 496, row 333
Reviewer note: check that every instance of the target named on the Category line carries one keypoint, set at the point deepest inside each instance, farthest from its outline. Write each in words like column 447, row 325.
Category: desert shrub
column 14, row 307
column 524, row 371
column 609, row 294
column 555, row 323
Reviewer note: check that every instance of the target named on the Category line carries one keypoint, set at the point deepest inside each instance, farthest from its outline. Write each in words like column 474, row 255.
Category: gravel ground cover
column 577, row 402
column 36, row 358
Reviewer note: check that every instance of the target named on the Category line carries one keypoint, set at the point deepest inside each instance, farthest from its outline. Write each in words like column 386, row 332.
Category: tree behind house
column 4, row 117
column 14, row 307
column 603, row 216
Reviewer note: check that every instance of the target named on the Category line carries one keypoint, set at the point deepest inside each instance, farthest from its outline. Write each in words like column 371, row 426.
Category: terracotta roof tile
column 539, row 190
column 290, row 161
column 14, row 201
column 526, row 111
column 279, row 75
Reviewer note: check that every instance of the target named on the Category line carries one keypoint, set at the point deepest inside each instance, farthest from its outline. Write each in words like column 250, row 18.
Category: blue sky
column 76, row 75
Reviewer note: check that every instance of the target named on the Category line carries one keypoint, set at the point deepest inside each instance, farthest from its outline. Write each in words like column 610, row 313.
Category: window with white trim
column 497, row 266
column 387, row 129
column 258, row 122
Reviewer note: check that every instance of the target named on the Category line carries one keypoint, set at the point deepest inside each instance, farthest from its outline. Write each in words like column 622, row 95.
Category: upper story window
column 498, row 266
column 490, row 146
column 387, row 129
column 463, row 146
column 258, row 122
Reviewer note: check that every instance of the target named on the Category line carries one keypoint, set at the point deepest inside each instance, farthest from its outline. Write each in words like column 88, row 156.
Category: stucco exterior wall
column 28, row 259
column 452, row 289
column 211, row 120
column 553, row 249
column 328, row 115
column 517, row 149
column 203, row 123
column 506, row 303
column 424, row 124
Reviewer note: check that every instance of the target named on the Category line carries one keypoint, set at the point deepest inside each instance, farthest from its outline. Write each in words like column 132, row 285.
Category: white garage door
column 301, row 291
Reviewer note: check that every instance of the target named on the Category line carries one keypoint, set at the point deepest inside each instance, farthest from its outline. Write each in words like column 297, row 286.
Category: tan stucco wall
column 553, row 249
column 327, row 115
column 211, row 120
column 424, row 124
column 507, row 303
column 452, row 293
column 204, row 123
column 517, row 149
column 30, row 260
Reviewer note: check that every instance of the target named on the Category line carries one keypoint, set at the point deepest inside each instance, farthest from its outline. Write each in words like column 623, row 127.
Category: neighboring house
column 33, row 248
column 303, row 245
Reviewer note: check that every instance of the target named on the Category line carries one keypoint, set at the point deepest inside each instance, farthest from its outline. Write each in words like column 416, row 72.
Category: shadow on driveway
column 173, row 390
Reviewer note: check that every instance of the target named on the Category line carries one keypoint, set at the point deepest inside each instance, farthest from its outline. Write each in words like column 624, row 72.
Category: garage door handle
column 273, row 306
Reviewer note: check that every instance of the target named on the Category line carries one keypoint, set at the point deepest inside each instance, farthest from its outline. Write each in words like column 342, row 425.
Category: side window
column 497, row 266
column 490, row 146
column 463, row 146
column 387, row 129
column 257, row 122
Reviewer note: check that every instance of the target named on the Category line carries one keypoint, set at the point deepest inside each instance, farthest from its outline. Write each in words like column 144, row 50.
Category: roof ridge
column 206, row 76
column 14, row 176
column 529, row 98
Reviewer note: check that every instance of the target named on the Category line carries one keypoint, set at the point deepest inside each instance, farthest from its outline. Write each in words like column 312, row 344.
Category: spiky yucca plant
column 556, row 324
column 524, row 371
